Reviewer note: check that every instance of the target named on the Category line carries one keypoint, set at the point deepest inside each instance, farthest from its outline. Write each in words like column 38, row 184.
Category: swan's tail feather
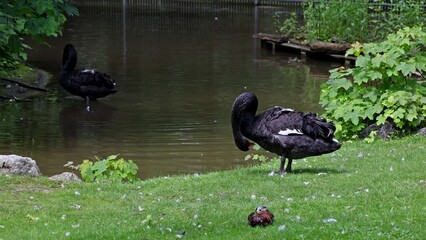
column 103, row 79
column 317, row 127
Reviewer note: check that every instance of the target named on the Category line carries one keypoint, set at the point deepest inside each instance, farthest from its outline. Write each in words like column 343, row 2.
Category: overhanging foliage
column 34, row 18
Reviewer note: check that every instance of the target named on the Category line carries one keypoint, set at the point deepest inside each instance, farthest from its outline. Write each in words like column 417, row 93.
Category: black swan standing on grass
column 289, row 134
column 88, row 83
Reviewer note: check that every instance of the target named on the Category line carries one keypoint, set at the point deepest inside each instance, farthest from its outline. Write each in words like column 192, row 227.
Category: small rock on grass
column 66, row 177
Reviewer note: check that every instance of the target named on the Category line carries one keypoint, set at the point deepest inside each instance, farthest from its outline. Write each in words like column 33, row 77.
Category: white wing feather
column 290, row 131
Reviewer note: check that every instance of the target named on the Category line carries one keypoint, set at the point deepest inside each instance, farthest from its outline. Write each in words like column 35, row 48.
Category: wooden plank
column 297, row 46
column 339, row 56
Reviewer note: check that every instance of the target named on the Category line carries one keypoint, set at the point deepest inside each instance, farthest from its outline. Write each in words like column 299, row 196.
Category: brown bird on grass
column 261, row 216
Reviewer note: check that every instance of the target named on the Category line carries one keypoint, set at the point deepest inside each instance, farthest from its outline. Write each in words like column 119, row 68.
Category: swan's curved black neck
column 242, row 115
column 69, row 58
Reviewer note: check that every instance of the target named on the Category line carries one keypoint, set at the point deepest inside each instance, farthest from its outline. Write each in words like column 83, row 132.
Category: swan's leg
column 87, row 104
column 288, row 168
column 282, row 165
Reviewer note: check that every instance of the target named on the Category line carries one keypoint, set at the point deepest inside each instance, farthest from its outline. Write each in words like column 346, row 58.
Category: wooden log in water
column 271, row 37
column 329, row 48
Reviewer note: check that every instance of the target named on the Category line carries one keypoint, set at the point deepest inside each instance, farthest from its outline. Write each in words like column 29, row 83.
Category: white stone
column 18, row 165
column 65, row 177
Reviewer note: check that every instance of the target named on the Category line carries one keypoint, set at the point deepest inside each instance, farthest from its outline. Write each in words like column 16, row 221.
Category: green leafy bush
column 381, row 87
column 359, row 20
column 336, row 20
column 111, row 168
column 22, row 18
column 289, row 27
column 407, row 13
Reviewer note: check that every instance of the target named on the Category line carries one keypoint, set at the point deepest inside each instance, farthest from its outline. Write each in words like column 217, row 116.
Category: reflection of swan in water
column 77, row 123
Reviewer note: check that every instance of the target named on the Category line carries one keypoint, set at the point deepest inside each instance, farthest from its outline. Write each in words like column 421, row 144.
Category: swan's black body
column 290, row 134
column 88, row 84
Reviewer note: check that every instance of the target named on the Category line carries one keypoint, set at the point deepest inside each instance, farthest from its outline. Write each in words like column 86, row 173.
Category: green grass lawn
column 362, row 191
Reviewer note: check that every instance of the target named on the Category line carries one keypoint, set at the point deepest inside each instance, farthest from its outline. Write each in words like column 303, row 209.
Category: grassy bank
column 363, row 191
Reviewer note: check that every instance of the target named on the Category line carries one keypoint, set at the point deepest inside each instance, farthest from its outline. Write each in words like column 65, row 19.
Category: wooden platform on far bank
column 320, row 50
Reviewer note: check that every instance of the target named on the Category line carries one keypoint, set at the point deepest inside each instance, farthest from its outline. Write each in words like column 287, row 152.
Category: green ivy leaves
column 381, row 87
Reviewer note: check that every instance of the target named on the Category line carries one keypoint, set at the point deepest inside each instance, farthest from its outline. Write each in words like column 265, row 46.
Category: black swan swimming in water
column 260, row 217
column 291, row 135
column 88, row 83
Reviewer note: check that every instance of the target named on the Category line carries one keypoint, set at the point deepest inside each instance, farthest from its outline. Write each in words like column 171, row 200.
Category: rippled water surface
column 179, row 69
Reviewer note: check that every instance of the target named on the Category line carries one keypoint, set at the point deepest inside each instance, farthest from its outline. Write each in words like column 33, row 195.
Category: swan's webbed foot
column 273, row 173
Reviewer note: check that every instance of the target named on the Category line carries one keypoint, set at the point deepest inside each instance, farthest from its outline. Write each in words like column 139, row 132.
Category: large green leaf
column 71, row 10
column 371, row 112
column 406, row 68
column 340, row 83
column 99, row 167
column 374, row 75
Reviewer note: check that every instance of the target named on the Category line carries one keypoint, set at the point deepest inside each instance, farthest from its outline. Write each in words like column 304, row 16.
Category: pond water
column 178, row 68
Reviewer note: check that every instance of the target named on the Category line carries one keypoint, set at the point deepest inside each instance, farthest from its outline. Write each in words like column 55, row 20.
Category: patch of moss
column 16, row 84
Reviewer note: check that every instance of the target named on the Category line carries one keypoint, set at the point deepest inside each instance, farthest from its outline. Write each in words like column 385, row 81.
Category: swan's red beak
column 250, row 145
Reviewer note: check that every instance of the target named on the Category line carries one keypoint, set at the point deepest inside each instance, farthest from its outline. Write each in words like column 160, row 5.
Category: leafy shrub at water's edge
column 350, row 21
column 337, row 21
column 110, row 169
column 407, row 13
column 381, row 86
column 36, row 19
column 290, row 27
